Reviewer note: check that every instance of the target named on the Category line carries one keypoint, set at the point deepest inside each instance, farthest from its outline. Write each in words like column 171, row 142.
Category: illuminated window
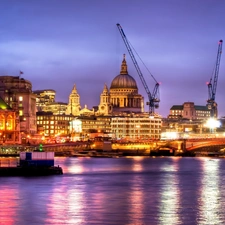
column 2, row 122
column 20, row 112
column 9, row 123
column 21, row 98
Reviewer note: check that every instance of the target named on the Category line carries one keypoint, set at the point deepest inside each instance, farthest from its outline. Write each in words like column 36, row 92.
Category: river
column 135, row 190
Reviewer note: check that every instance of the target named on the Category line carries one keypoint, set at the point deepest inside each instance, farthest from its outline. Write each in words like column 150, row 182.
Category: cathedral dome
column 123, row 80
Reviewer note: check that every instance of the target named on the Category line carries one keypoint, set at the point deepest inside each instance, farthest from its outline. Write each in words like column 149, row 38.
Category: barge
column 33, row 164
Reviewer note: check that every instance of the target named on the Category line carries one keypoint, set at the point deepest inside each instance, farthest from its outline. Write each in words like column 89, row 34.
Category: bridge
column 140, row 147
column 205, row 144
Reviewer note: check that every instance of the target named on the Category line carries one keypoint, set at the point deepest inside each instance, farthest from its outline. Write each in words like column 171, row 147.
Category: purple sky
column 60, row 43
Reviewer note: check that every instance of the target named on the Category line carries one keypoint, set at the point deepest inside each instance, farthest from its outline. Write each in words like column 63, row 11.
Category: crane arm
column 215, row 80
column 133, row 59
column 151, row 97
column 213, row 86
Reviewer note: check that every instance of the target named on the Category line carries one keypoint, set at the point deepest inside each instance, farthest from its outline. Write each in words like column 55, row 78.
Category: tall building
column 17, row 93
column 57, row 108
column 44, row 97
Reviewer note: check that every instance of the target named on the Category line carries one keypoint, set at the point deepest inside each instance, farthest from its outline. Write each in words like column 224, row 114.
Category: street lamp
column 212, row 124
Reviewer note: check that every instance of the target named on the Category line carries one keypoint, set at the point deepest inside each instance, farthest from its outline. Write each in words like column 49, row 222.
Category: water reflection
column 66, row 203
column 9, row 196
column 170, row 194
column 209, row 202
column 136, row 196
column 156, row 191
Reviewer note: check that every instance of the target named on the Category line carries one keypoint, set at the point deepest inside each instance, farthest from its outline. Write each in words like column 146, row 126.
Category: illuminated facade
column 44, row 97
column 73, row 106
column 189, row 111
column 136, row 126
column 45, row 102
column 57, row 108
column 123, row 93
column 9, row 128
column 51, row 125
column 17, row 93
column 88, row 127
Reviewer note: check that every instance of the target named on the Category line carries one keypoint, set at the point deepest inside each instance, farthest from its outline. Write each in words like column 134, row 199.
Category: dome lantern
column 123, row 80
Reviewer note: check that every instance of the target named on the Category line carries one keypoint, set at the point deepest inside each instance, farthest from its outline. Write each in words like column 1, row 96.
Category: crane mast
column 212, row 84
column 153, row 98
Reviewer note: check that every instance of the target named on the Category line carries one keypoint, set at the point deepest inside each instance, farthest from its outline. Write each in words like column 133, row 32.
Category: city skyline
column 57, row 45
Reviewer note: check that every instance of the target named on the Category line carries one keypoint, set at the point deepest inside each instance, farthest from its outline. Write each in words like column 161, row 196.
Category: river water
column 136, row 190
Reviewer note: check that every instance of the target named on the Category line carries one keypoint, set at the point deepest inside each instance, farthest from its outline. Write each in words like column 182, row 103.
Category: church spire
column 124, row 66
column 74, row 89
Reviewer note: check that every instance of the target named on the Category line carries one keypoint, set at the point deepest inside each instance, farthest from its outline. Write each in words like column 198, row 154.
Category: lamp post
column 212, row 124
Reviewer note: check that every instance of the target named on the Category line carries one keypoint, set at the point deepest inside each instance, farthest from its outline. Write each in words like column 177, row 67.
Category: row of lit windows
column 54, row 127
column 96, row 122
column 197, row 111
column 133, row 131
column 53, row 122
column 202, row 114
column 53, row 118
column 136, row 121
column 55, row 132
column 136, row 127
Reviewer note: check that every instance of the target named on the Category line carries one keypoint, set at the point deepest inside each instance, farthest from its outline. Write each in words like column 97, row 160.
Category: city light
column 212, row 123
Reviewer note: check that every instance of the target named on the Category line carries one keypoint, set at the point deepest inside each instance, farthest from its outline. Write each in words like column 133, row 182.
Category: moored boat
column 33, row 164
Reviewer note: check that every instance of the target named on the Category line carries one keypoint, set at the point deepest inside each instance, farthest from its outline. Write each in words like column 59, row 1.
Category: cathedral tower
column 104, row 107
column 74, row 103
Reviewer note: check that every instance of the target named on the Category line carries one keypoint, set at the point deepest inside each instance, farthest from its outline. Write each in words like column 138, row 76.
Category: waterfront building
column 189, row 111
column 136, row 127
column 9, row 125
column 18, row 95
column 52, row 126
column 89, row 127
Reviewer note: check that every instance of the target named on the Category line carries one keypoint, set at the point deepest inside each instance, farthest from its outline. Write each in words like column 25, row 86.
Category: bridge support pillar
column 180, row 148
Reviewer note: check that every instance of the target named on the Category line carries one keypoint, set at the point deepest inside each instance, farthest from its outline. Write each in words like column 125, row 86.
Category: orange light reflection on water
column 136, row 195
column 137, row 164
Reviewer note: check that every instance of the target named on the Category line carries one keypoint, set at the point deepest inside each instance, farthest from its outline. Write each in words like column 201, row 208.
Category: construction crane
column 153, row 98
column 212, row 84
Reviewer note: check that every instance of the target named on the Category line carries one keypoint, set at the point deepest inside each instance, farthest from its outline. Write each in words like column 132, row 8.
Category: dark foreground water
column 134, row 190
